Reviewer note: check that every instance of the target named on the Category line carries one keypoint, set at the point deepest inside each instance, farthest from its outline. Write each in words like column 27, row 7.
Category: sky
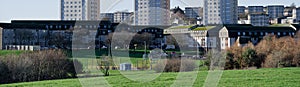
column 50, row 9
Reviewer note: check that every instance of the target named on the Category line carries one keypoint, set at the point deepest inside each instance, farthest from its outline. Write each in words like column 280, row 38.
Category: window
column 239, row 33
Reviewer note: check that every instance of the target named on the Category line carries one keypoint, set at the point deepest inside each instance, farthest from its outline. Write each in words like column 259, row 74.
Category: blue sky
column 49, row 9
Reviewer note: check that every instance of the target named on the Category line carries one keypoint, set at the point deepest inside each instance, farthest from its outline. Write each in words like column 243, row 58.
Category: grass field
column 9, row 52
column 281, row 77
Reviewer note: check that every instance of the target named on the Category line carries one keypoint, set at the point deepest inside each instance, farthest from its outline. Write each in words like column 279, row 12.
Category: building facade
column 55, row 34
column 121, row 16
column 259, row 19
column 80, row 9
column 229, row 35
column 177, row 16
column 107, row 16
column 220, row 12
column 194, row 15
column 275, row 11
column 296, row 14
column 288, row 11
column 193, row 12
column 241, row 10
column 255, row 9
column 152, row 12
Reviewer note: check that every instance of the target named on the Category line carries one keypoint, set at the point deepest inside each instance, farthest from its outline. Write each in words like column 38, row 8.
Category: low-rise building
column 288, row 20
column 259, row 19
column 288, row 11
column 54, row 34
column 177, row 16
column 229, row 35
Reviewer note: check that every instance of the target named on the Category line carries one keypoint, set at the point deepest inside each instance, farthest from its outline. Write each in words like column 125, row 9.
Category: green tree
column 249, row 56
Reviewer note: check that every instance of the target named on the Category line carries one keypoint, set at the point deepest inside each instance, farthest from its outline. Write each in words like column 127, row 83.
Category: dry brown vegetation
column 36, row 66
column 175, row 65
column 271, row 52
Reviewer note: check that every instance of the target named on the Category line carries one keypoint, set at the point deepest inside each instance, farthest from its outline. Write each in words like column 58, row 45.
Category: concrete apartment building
column 193, row 12
column 152, row 12
column 259, row 19
column 241, row 10
column 121, row 16
column 255, row 9
column 296, row 14
column 220, row 12
column 80, row 9
column 275, row 11
column 194, row 15
column 107, row 16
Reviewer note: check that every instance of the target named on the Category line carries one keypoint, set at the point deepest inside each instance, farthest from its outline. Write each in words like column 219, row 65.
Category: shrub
column 175, row 65
column 4, row 75
column 39, row 65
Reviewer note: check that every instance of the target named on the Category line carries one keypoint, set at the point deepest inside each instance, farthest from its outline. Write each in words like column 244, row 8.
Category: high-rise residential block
column 241, row 9
column 220, row 12
column 107, row 16
column 152, row 12
column 193, row 12
column 275, row 11
column 296, row 14
column 121, row 16
column 259, row 19
column 255, row 9
column 80, row 9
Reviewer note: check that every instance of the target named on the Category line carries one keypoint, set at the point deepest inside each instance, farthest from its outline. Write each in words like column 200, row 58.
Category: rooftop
column 193, row 27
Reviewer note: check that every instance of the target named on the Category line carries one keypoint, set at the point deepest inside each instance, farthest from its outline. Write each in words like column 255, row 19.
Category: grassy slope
column 9, row 52
column 283, row 77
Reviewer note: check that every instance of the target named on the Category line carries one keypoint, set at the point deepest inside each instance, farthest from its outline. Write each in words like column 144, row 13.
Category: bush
column 271, row 52
column 4, row 73
column 39, row 65
column 175, row 65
